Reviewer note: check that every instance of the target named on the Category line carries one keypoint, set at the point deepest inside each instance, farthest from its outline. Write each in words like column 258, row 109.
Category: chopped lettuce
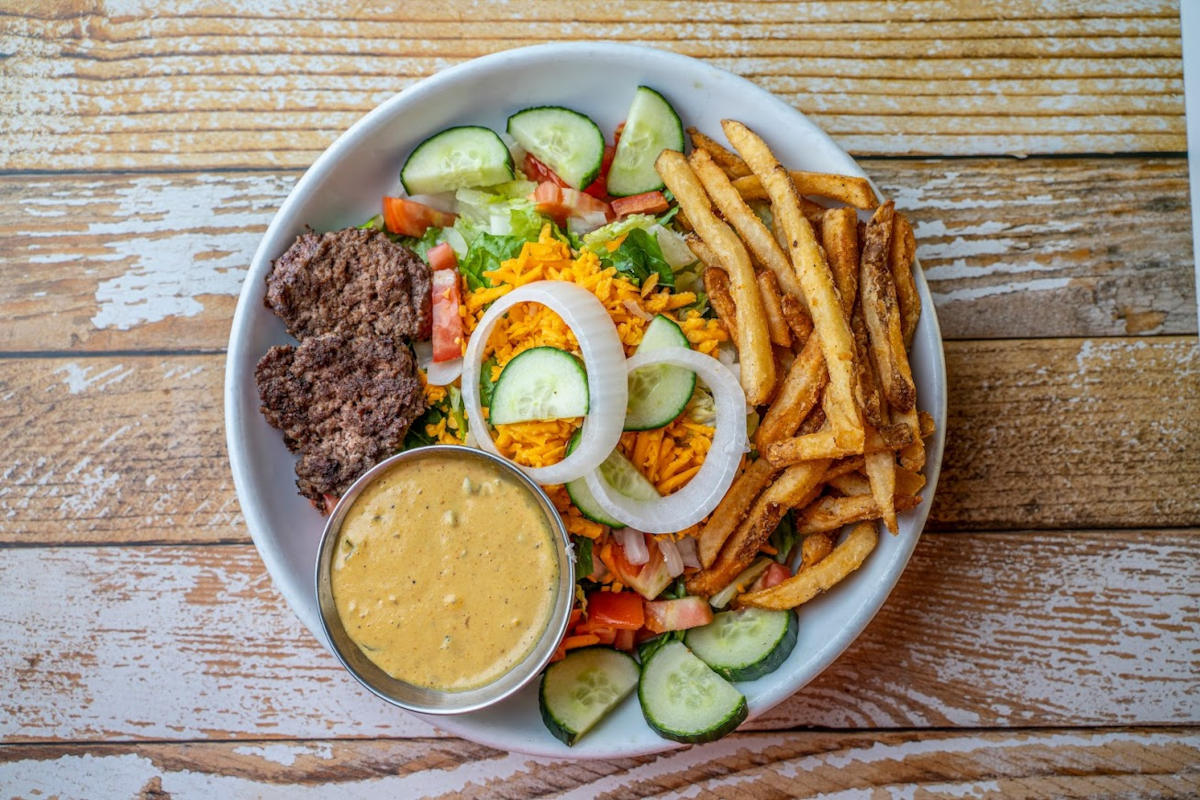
column 487, row 387
column 638, row 257
column 784, row 538
column 503, row 210
column 583, row 556
column 485, row 254
column 597, row 240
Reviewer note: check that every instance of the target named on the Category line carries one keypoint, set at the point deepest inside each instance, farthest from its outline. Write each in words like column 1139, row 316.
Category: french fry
column 844, row 466
column 831, row 513
column 748, row 225
column 925, row 423
column 733, row 508
column 813, row 422
column 912, row 456
column 881, row 312
column 881, row 477
column 901, row 256
column 754, row 343
column 867, row 386
column 851, row 484
column 814, row 548
column 798, row 320
column 839, row 238
column 850, row 190
column 908, row 482
column 797, row 396
column 816, row 280
column 811, row 581
column 734, row 167
column 716, row 285
column 791, row 488
column 807, row 444
column 777, row 326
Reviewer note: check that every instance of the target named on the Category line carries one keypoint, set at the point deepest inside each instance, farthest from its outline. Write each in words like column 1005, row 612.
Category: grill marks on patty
column 344, row 403
column 347, row 395
column 353, row 280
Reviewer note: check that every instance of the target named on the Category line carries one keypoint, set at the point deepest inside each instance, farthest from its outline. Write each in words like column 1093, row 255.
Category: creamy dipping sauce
column 444, row 572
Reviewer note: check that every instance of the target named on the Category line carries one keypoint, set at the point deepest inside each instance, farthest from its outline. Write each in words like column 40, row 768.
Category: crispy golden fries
column 853, row 191
column 850, row 484
column 820, row 294
column 839, row 237
column 797, row 396
column 798, row 320
column 792, row 488
column 901, row 257
column 881, row 312
column 734, row 167
column 716, row 285
column 772, row 301
column 754, row 343
column 748, row 225
column 881, row 477
column 811, row 581
column 733, row 508
column 832, row 513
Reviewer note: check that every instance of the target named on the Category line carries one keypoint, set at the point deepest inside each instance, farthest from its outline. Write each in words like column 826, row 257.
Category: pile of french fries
column 822, row 310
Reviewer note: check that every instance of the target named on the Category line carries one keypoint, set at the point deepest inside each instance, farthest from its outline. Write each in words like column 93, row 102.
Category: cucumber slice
column 456, row 158
column 659, row 394
column 651, row 126
column 745, row 644
column 620, row 473
column 683, row 700
column 583, row 498
column 540, row 383
column 580, row 690
column 564, row 140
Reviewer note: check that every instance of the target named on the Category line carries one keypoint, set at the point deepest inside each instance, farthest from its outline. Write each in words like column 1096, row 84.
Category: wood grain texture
column 1063, row 763
column 1043, row 247
column 1042, row 434
column 983, row 630
column 208, row 85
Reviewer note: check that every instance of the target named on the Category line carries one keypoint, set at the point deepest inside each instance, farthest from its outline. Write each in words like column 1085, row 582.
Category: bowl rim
column 504, row 685
column 258, row 522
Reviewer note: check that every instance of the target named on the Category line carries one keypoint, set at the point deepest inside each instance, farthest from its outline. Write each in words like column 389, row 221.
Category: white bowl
column 344, row 188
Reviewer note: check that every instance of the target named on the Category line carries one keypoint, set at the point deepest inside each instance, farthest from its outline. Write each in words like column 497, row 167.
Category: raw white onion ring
column 700, row 496
column 603, row 359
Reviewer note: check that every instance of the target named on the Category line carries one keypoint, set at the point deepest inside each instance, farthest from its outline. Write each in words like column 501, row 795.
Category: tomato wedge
column 410, row 218
column 616, row 610
column 647, row 579
column 645, row 203
column 677, row 615
column 624, row 640
column 558, row 202
column 535, row 170
column 599, row 187
column 775, row 574
column 442, row 257
column 447, row 324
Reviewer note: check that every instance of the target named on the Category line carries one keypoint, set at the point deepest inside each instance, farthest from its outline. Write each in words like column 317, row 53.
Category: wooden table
column 1044, row 639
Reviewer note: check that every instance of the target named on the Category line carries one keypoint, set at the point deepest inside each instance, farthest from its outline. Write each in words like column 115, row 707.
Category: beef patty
column 343, row 402
column 351, row 281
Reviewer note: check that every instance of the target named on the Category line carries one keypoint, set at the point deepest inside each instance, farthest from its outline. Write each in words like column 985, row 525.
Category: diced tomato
column 624, row 640
column 535, row 170
column 442, row 257
column 774, row 574
column 647, row 579
column 558, row 202
column 616, row 610
column 677, row 615
column 329, row 502
column 599, row 187
column 447, row 324
column 645, row 203
column 411, row 218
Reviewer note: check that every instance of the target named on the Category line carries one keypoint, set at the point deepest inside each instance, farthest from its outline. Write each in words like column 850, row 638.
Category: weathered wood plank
column 983, row 630
column 1042, row 434
column 1101, row 247
column 249, row 87
column 1064, row 763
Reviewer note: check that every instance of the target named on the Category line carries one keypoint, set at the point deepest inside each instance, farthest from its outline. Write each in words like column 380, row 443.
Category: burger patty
column 351, row 281
column 344, row 403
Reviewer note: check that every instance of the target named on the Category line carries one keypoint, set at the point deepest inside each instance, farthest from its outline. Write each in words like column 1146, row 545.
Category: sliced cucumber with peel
column 564, row 140
column 583, row 498
column 651, row 126
column 578, row 691
column 659, row 393
column 540, row 383
column 457, row 158
column 745, row 644
column 683, row 700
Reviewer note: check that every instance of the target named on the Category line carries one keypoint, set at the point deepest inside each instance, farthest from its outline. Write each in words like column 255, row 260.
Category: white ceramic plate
column 344, row 188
